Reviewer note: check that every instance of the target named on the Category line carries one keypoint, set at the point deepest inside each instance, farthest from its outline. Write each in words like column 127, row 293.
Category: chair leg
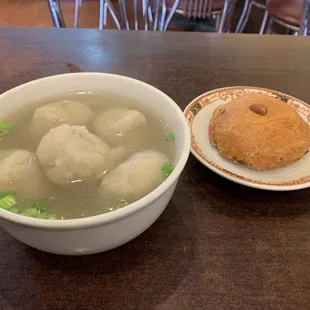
column 56, row 12
column 105, row 14
column 146, row 9
column 135, row 11
column 171, row 13
column 53, row 13
column 263, row 25
column 303, row 29
column 246, row 17
column 146, row 16
column 101, row 14
column 269, row 27
column 226, row 17
column 243, row 15
column 149, row 11
column 123, row 10
column 109, row 6
column 163, row 21
column 156, row 14
column 76, row 13
column 217, row 23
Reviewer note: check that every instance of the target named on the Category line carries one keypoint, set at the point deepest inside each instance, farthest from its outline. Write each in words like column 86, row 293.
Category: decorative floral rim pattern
column 227, row 94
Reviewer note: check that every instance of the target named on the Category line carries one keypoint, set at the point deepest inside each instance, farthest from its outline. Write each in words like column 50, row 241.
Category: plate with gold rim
column 198, row 114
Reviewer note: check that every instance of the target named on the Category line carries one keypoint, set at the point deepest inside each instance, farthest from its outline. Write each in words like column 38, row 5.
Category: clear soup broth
column 138, row 157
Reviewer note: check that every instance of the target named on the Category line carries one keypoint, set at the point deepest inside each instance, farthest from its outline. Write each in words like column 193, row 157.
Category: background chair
column 291, row 14
column 247, row 9
column 105, row 7
column 146, row 11
column 221, row 10
column 150, row 10
column 56, row 13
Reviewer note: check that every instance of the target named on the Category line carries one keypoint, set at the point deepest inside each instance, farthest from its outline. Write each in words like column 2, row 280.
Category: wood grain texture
column 218, row 245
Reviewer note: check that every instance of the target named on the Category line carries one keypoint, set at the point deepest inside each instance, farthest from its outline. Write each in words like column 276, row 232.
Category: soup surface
column 112, row 152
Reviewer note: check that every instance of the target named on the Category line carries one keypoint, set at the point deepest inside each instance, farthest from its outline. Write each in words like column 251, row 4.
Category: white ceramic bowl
column 106, row 231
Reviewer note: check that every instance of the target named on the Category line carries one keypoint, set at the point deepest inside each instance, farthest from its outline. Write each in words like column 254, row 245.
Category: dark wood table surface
column 218, row 245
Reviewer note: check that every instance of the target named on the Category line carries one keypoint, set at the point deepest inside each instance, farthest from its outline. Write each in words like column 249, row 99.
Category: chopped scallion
column 26, row 203
column 15, row 210
column 7, row 202
column 167, row 168
column 27, row 207
column 5, row 128
column 43, row 203
column 7, row 193
column 170, row 136
column 31, row 212
column 46, row 216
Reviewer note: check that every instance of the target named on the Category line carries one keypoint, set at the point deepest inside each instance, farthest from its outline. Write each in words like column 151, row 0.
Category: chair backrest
column 145, row 14
column 197, row 8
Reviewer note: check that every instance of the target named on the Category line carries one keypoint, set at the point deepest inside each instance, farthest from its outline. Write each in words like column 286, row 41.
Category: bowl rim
column 105, row 218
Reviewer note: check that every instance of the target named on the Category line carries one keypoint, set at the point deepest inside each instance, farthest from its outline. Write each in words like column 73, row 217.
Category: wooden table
column 218, row 245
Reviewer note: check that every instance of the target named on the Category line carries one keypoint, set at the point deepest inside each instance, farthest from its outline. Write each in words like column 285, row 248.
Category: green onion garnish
column 43, row 203
column 7, row 202
column 5, row 128
column 7, row 193
column 27, row 207
column 46, row 216
column 31, row 212
column 170, row 136
column 15, row 210
column 167, row 168
column 26, row 203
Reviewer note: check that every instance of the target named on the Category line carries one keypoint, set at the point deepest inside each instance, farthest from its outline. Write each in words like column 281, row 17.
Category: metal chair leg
column 135, row 8
column 170, row 15
column 76, row 13
column 303, row 29
column 269, row 27
column 124, row 16
column 102, row 15
column 217, row 23
column 109, row 7
column 149, row 11
column 243, row 15
column 263, row 25
column 246, row 17
column 226, row 17
column 163, row 22
column 146, row 15
column 146, row 9
column 156, row 15
column 56, row 12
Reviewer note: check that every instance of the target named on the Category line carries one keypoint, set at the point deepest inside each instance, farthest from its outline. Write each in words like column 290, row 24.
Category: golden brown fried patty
column 259, row 131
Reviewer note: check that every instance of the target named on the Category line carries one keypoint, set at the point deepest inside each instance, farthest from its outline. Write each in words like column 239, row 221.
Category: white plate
column 198, row 114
